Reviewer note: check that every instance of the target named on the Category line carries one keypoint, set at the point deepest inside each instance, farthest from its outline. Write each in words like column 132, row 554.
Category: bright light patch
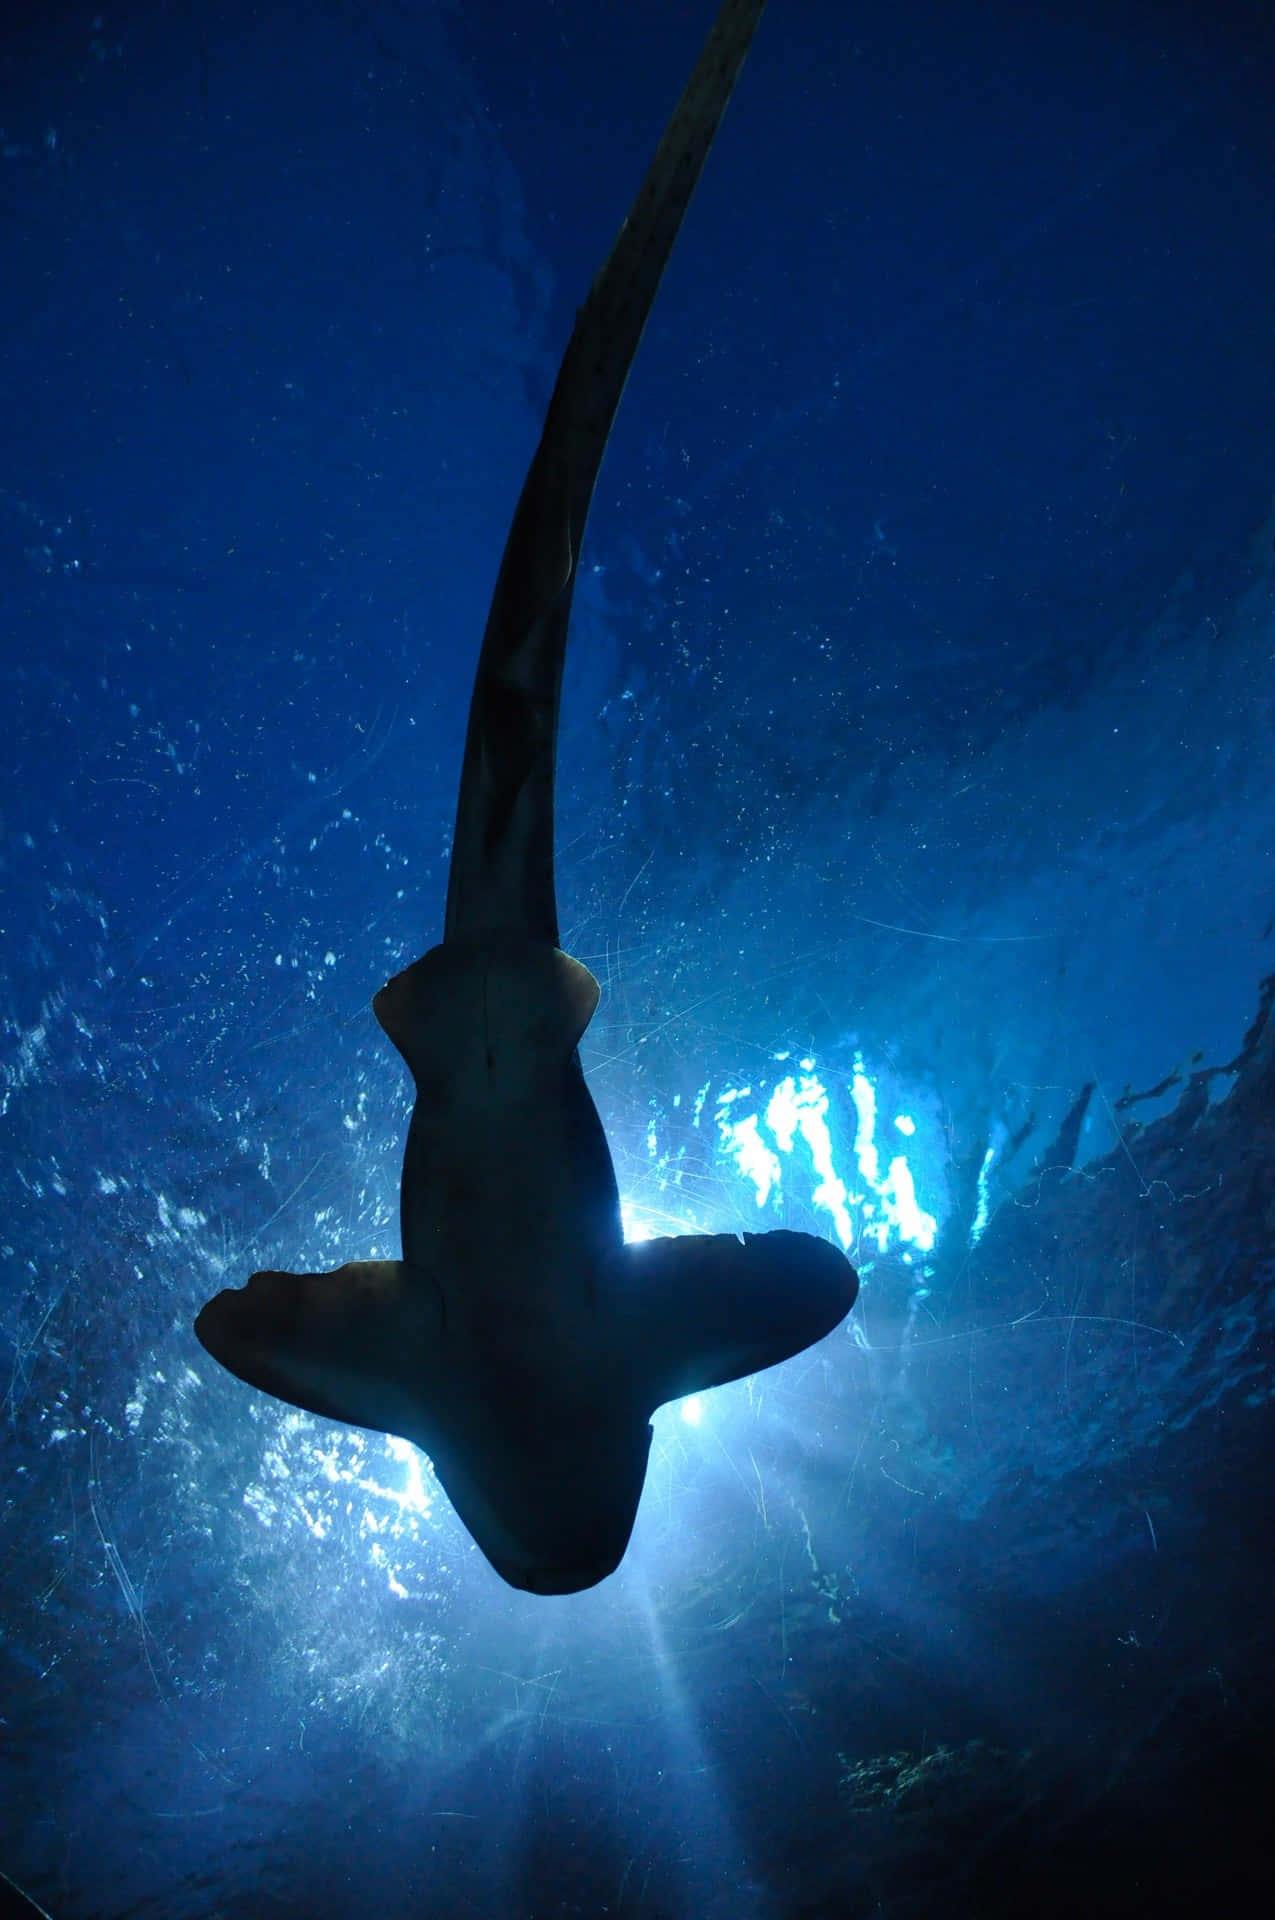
column 799, row 1113
column 415, row 1496
column 864, row 1095
column 803, row 1109
column 741, row 1141
column 981, row 1211
column 633, row 1227
column 692, row 1410
column 321, row 1480
column 913, row 1224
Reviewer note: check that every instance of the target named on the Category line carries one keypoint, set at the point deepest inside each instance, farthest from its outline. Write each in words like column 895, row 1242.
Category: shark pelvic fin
column 483, row 1018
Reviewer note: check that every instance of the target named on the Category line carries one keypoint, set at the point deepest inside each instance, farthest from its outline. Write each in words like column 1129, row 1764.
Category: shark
column 520, row 1342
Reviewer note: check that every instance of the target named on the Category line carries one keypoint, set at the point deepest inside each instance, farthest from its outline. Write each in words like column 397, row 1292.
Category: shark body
column 519, row 1341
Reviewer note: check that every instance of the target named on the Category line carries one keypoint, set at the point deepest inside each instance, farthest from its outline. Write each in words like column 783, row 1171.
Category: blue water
column 914, row 778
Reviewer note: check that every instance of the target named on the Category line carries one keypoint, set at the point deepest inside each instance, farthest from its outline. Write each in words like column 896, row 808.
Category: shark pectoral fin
column 357, row 1345
column 478, row 1018
column 713, row 1307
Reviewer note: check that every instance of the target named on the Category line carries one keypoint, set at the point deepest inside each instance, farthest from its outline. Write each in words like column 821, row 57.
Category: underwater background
column 916, row 814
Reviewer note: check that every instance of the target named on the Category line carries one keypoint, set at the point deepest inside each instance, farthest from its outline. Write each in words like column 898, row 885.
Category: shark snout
column 549, row 1498
column 558, row 1579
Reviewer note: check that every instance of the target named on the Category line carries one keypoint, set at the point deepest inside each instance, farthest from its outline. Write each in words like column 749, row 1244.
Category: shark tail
column 502, row 855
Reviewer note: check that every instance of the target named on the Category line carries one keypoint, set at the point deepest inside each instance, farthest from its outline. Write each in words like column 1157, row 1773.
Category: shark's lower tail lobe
column 502, row 856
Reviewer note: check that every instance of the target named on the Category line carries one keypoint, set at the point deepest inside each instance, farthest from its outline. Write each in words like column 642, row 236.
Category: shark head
column 537, row 1423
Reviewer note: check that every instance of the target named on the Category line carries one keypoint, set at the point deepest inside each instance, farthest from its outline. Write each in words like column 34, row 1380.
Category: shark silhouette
column 519, row 1341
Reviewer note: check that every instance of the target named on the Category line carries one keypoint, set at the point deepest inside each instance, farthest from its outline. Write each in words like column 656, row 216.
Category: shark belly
column 509, row 1202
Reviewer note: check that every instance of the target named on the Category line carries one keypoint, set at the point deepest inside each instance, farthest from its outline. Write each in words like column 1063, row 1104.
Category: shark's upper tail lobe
column 502, row 855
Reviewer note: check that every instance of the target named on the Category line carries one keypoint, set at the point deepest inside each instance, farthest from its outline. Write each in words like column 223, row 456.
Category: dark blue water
column 915, row 778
